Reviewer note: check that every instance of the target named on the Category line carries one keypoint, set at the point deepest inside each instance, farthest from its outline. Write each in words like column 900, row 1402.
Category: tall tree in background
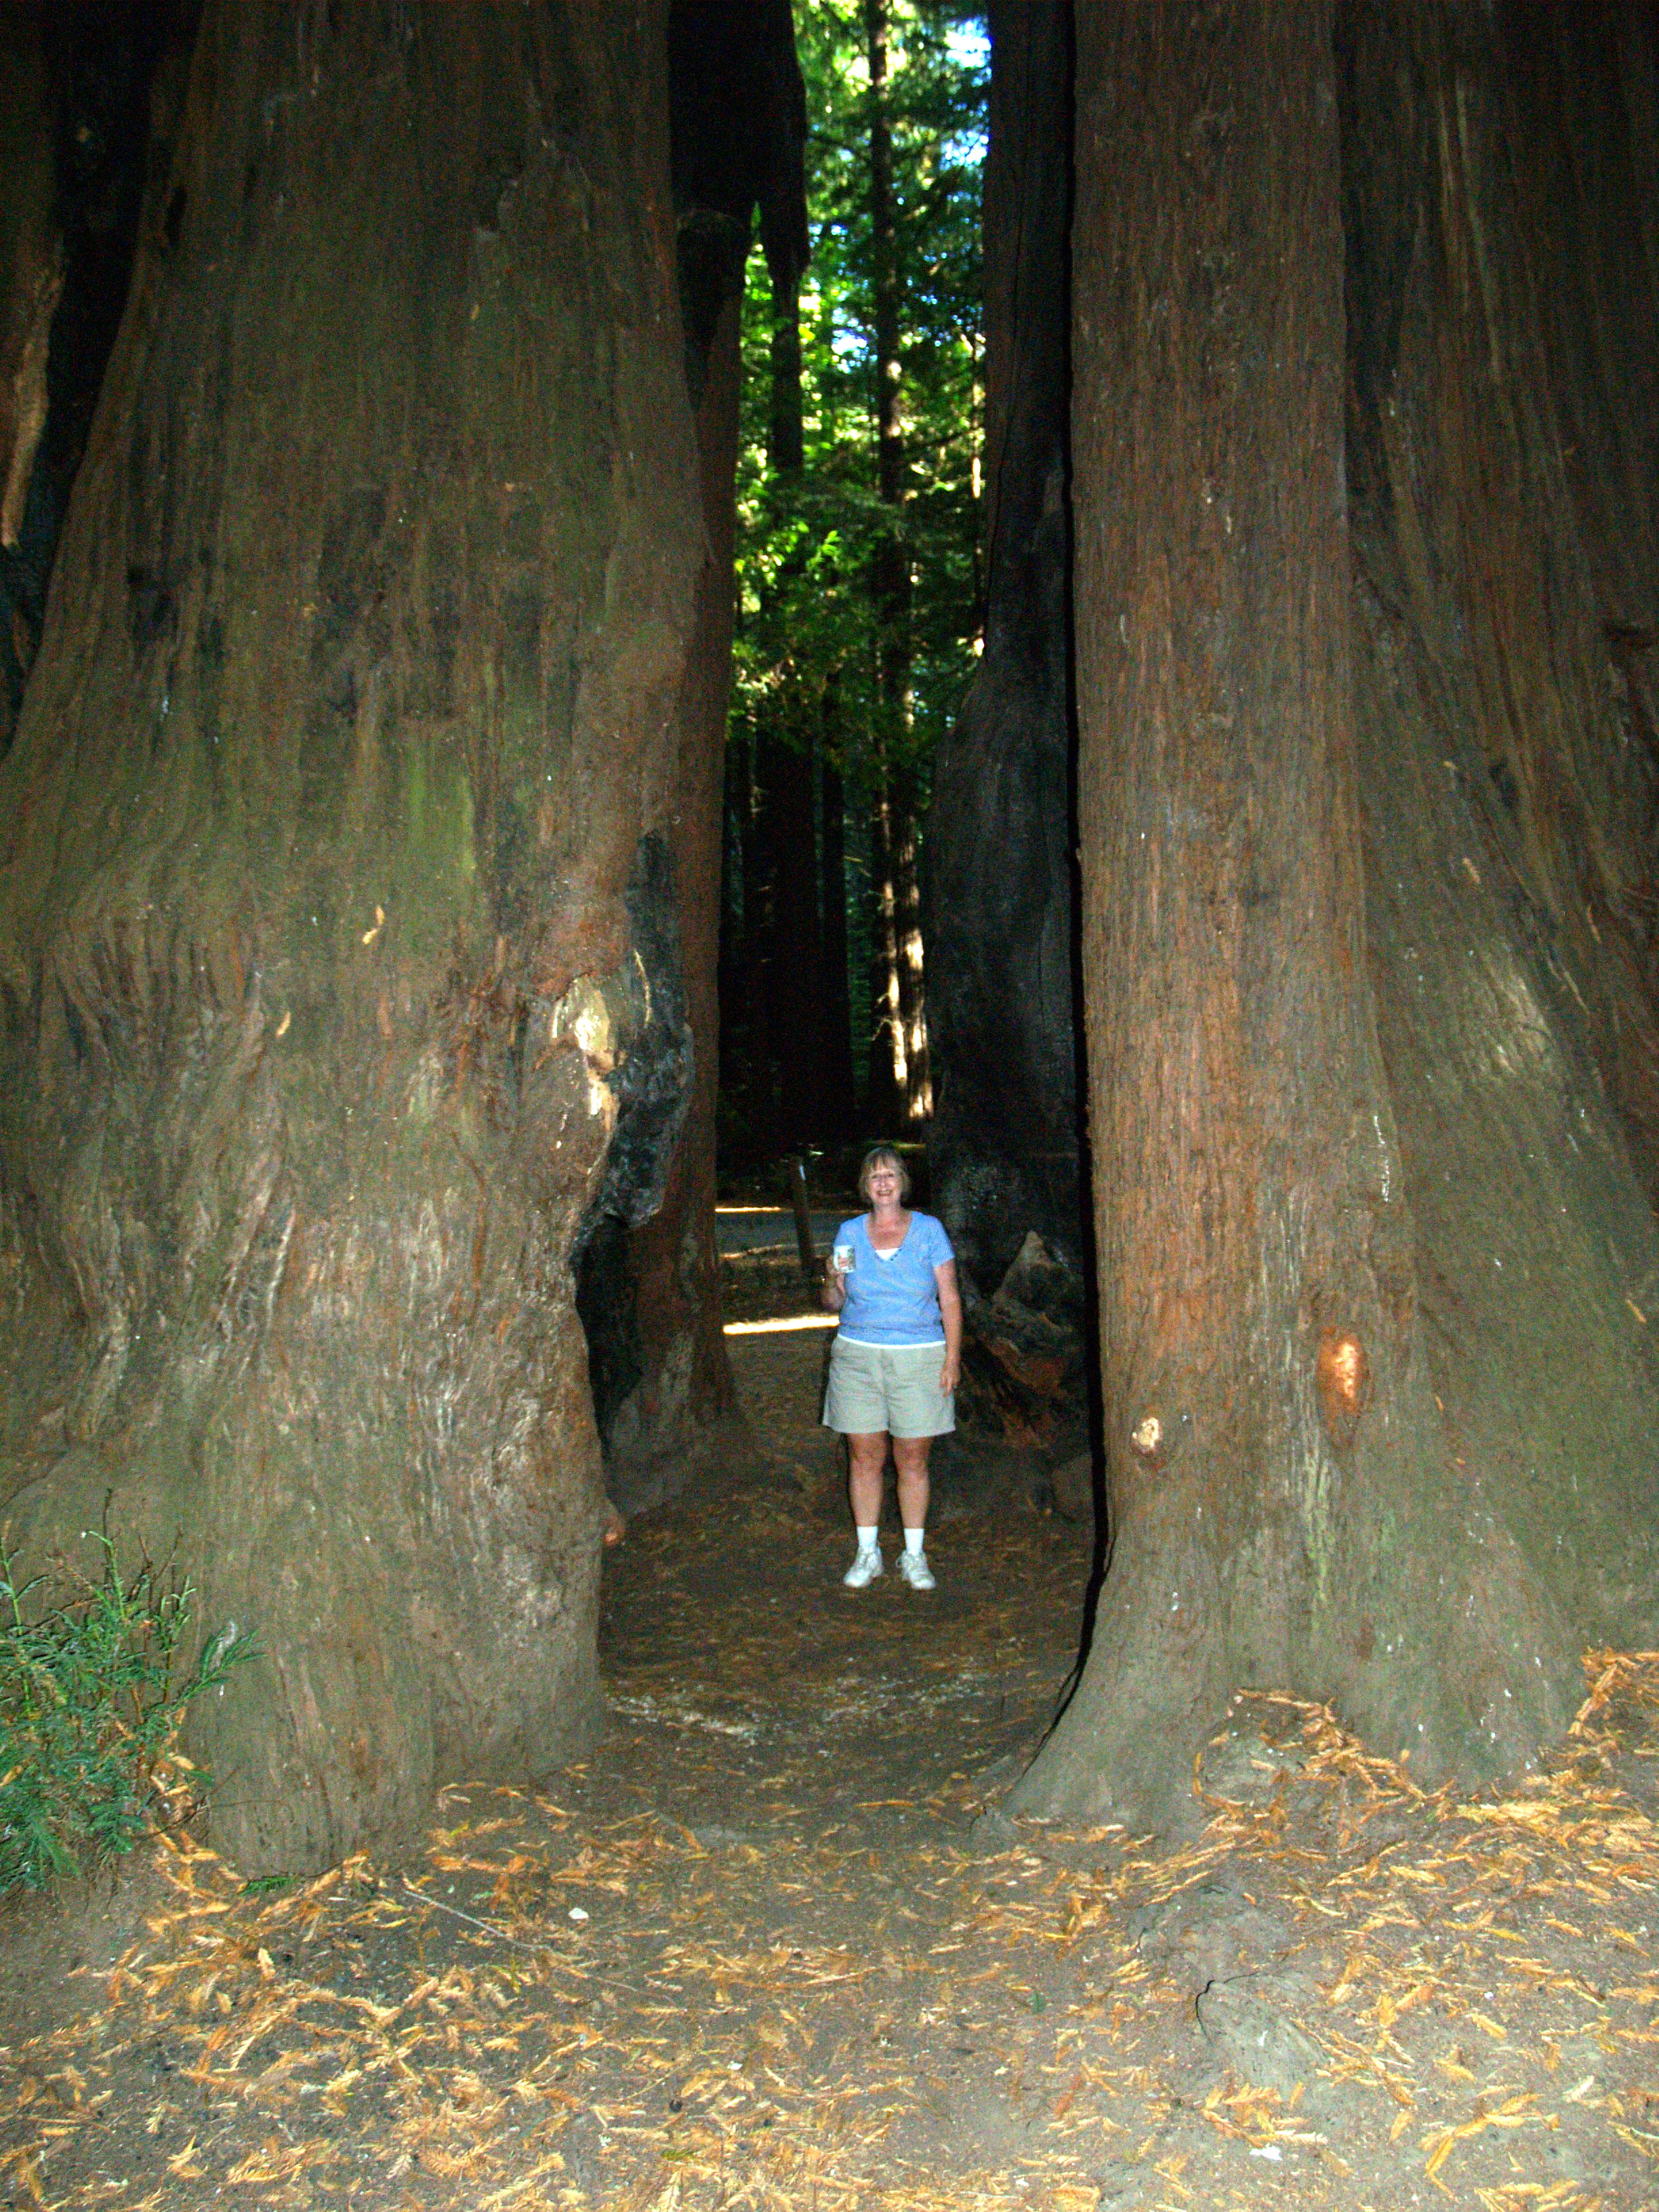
column 1004, row 1141
column 816, row 564
column 338, row 977
column 898, row 1069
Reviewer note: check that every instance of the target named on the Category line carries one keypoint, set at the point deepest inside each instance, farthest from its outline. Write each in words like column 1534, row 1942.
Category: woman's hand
column 950, row 1306
column 833, row 1292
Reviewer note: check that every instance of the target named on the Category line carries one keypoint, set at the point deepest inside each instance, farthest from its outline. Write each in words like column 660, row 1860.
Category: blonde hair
column 883, row 1156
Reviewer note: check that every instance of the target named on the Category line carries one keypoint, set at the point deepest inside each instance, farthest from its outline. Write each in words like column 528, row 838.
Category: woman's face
column 882, row 1183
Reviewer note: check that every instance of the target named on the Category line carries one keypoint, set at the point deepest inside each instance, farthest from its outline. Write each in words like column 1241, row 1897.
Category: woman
column 892, row 1279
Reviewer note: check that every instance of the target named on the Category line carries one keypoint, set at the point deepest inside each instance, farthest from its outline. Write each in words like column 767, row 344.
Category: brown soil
column 773, row 1945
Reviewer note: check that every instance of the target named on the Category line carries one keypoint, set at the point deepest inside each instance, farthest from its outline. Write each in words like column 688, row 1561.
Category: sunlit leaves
column 806, row 546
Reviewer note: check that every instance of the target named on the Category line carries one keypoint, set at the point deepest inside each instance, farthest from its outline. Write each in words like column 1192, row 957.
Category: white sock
column 913, row 1541
column 867, row 1538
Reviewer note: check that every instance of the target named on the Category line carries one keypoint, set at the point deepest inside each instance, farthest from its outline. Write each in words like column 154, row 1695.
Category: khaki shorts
column 892, row 1388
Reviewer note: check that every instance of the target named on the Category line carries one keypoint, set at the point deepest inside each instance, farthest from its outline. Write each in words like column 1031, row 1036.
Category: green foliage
column 89, row 1716
column 806, row 544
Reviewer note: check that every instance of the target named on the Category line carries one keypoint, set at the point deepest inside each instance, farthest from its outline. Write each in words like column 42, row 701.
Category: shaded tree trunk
column 672, row 1395
column 85, row 115
column 794, row 954
column 650, row 1298
column 31, row 259
column 838, row 1084
column 339, row 972
column 795, row 984
column 1286, row 1120
column 1003, row 1147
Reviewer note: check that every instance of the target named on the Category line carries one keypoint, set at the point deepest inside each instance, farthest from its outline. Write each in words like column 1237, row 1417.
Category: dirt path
column 773, row 1945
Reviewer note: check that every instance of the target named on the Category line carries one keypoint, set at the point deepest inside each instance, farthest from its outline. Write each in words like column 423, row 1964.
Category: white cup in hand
column 842, row 1259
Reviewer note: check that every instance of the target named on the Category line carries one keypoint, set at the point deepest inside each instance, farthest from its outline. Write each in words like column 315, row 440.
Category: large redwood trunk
column 334, row 933
column 1336, row 1181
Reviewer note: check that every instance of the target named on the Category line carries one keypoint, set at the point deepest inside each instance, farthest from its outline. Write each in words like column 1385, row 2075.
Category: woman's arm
column 950, row 1306
column 833, row 1290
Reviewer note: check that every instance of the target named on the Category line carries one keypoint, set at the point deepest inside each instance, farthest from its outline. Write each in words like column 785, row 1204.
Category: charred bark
column 330, row 953
column 1004, row 1144
column 1336, row 1178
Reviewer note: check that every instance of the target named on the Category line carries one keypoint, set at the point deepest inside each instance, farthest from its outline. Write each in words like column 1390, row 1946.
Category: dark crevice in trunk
column 101, row 63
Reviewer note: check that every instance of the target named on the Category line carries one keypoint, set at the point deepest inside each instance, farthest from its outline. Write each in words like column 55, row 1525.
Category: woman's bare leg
column 867, row 1464
column 910, row 1456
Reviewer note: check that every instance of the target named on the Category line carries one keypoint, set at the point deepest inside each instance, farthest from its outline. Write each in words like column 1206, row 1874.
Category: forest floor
column 773, row 1943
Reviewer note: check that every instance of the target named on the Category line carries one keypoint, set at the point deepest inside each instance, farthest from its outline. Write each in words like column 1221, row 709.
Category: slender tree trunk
column 795, row 971
column 901, row 1028
column 759, row 1065
column 838, row 1090
column 887, row 1087
column 1288, row 1508
column 785, row 443
column 797, row 995
column 337, row 973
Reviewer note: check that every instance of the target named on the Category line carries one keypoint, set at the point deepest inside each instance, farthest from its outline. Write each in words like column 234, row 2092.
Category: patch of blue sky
column 968, row 45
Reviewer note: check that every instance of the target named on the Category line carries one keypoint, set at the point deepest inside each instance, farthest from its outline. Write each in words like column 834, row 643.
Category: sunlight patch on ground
column 778, row 1328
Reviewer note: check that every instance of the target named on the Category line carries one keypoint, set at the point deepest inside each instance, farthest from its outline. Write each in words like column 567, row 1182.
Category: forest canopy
column 859, row 572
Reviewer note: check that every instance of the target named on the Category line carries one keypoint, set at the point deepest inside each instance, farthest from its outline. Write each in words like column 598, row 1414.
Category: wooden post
column 796, row 1173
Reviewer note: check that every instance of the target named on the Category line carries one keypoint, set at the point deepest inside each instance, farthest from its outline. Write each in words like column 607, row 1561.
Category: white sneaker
column 914, row 1566
column 867, row 1565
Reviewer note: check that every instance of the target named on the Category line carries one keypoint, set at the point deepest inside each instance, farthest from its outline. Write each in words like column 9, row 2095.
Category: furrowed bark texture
column 1503, row 436
column 1289, row 1509
column 1003, row 1143
column 334, row 939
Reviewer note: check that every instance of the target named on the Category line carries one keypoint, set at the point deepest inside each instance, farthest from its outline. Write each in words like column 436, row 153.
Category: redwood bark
column 328, row 945
column 1289, row 1507
column 1503, row 438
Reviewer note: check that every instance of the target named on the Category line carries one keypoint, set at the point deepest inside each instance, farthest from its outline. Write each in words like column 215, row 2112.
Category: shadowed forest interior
column 604, row 606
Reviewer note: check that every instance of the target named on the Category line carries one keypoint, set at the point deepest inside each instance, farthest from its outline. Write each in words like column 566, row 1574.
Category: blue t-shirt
column 894, row 1300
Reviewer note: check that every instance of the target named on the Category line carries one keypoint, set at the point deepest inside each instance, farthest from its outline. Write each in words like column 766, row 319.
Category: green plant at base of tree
column 89, row 1716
